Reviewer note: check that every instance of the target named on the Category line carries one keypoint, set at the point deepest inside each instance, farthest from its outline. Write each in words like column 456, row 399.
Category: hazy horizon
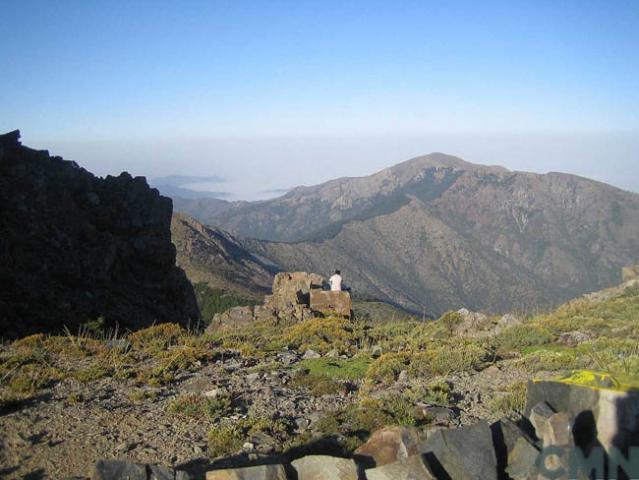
column 274, row 95
column 253, row 169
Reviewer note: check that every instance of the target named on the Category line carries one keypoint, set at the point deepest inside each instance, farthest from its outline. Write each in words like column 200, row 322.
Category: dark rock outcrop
column 75, row 248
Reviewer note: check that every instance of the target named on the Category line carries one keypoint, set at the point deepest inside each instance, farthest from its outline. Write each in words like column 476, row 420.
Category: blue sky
column 124, row 85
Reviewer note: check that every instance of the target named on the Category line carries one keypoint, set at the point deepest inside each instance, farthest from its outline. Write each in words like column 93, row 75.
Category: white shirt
column 336, row 283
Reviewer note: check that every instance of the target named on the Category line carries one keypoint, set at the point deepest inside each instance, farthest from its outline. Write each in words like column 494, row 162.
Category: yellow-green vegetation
column 601, row 380
column 606, row 341
column 321, row 334
column 326, row 376
column 151, row 356
column 439, row 359
column 520, row 336
column 156, row 338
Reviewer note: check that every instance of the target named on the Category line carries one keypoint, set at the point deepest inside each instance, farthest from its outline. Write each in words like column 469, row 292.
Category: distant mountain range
column 436, row 232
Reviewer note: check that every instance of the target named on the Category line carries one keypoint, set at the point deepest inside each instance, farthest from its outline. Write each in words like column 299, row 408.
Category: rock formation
column 291, row 301
column 75, row 248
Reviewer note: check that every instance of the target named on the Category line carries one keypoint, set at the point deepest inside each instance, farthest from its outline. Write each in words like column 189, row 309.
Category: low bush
column 157, row 337
column 199, row 406
column 386, row 368
column 450, row 321
column 93, row 372
column 225, row 439
column 316, row 384
column 519, row 336
column 354, row 368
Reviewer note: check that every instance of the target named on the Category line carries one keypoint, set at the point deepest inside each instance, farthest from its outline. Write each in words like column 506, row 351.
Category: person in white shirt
column 336, row 282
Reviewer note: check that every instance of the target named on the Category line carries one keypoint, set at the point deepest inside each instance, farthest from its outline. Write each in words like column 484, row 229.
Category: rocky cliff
column 75, row 248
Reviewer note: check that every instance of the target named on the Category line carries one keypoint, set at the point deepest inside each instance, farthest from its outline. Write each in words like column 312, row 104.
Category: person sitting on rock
column 336, row 282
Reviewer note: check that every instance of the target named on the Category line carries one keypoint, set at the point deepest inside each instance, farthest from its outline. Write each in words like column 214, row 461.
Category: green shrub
column 401, row 410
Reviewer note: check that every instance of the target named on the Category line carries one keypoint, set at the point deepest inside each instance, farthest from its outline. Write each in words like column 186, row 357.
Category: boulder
column 522, row 461
column 232, row 318
column 465, row 453
column 262, row 313
column 330, row 303
column 630, row 272
column 160, row 473
column 473, row 324
column 308, row 354
column 558, row 431
column 376, row 351
column 324, row 467
column 539, row 417
column 601, row 412
column 119, row 470
column 411, row 468
column 439, row 416
column 507, row 435
column 293, row 288
column 260, row 472
column 388, row 445
column 574, row 338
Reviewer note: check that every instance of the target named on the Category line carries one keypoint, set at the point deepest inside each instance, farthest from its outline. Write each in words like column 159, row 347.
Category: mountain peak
column 441, row 160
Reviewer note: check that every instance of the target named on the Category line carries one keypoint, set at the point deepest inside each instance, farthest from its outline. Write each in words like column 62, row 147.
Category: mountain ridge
column 483, row 237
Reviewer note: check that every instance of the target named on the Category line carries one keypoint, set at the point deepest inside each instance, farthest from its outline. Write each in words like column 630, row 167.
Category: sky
column 273, row 94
